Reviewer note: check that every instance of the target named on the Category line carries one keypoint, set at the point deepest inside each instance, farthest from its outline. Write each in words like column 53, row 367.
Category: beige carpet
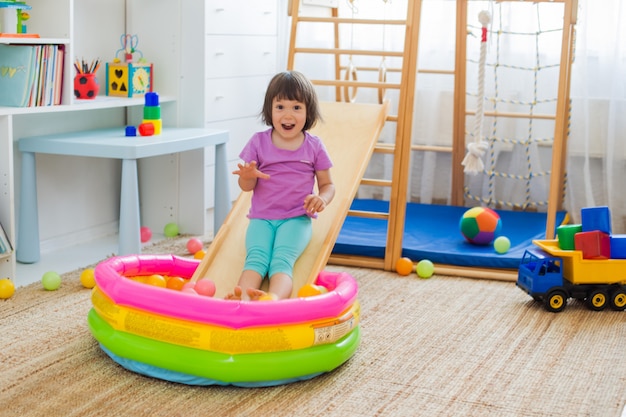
column 438, row 347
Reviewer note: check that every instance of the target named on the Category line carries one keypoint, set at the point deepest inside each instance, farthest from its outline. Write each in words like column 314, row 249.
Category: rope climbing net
column 511, row 130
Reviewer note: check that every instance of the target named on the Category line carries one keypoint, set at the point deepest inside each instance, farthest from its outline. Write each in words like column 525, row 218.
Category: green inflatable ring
column 260, row 368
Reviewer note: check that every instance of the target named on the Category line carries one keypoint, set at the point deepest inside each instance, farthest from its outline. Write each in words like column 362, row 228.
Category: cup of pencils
column 86, row 85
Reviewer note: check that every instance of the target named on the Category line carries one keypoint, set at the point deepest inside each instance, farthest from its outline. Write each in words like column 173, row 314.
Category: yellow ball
column 7, row 289
column 425, row 269
column 156, row 280
column 87, row 278
column 502, row 244
column 309, row 290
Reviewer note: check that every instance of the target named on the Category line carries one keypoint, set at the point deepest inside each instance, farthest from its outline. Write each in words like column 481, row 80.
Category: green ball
column 425, row 268
column 170, row 230
column 51, row 280
column 502, row 244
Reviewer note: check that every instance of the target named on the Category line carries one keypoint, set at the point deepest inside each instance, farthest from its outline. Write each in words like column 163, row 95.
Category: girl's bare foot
column 235, row 295
column 259, row 295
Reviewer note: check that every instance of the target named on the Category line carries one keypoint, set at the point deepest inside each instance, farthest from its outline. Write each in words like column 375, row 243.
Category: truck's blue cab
column 539, row 272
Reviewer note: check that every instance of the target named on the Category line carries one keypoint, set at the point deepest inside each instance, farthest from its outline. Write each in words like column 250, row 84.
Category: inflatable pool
column 200, row 340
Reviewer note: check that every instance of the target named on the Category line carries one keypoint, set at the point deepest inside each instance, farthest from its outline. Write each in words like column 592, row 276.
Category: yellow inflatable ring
column 223, row 339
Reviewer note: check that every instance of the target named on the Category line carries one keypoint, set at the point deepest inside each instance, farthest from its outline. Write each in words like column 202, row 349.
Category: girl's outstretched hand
column 249, row 171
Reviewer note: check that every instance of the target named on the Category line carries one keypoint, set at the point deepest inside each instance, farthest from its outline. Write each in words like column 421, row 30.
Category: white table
column 112, row 143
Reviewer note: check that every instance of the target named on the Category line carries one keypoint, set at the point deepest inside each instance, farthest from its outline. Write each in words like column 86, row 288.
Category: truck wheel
column 555, row 301
column 597, row 300
column 618, row 300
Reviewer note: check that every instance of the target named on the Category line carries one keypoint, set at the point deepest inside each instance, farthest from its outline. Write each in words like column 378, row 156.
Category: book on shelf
column 31, row 75
column 5, row 243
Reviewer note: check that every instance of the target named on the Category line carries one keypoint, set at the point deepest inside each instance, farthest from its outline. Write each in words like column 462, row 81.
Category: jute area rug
column 438, row 347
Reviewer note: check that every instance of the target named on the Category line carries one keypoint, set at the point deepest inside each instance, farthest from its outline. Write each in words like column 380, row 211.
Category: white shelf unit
column 86, row 28
column 53, row 22
column 213, row 57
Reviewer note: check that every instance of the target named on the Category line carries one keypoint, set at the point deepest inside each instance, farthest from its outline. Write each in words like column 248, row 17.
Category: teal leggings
column 273, row 246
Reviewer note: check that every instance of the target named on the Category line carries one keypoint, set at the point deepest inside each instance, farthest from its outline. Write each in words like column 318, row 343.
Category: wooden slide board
column 350, row 132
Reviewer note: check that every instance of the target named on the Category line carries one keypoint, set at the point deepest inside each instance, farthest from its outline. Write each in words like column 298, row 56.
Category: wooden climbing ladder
column 344, row 81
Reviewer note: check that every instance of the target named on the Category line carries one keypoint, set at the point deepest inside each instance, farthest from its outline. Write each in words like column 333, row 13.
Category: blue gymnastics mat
column 432, row 232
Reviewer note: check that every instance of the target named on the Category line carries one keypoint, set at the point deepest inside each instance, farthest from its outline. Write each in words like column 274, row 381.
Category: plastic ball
column 404, row 266
column 156, row 280
column 310, row 290
column 480, row 225
column 200, row 254
column 171, row 230
column 7, row 289
column 205, row 287
column 425, row 268
column 194, row 245
column 502, row 244
column 51, row 280
column 176, row 283
column 145, row 233
column 87, row 278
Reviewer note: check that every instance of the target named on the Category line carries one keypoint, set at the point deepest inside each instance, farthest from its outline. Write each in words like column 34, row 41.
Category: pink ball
column 189, row 284
column 206, row 287
column 146, row 233
column 194, row 245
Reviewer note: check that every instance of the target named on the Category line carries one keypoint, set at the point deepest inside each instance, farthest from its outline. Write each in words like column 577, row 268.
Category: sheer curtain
column 520, row 75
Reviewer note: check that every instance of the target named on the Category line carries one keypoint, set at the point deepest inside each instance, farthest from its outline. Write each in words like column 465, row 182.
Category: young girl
column 280, row 166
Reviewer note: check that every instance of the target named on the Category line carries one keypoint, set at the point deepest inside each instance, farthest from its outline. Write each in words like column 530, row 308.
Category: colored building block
column 618, row 246
column 131, row 131
column 146, row 129
column 126, row 79
column 596, row 218
column 594, row 245
column 157, row 124
column 151, row 99
column 565, row 233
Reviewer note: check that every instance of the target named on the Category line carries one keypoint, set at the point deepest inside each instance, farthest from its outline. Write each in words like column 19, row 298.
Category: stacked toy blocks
column 152, row 123
column 152, row 113
column 593, row 237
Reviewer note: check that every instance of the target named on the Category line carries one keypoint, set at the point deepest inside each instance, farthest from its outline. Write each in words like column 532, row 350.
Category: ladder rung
column 431, row 148
column 348, row 20
column 368, row 214
column 382, row 147
column 337, row 51
column 349, row 83
column 514, row 115
column 377, row 183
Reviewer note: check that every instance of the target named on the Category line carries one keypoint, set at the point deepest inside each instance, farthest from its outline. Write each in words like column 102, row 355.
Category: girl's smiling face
column 288, row 118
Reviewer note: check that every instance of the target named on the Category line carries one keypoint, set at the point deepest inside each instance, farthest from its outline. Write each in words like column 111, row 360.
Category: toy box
column 128, row 79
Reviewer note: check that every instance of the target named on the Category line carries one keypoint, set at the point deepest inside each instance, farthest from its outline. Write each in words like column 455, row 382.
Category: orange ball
column 176, row 283
column 200, row 254
column 404, row 266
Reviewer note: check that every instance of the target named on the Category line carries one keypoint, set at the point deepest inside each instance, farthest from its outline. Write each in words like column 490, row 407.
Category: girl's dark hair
column 292, row 85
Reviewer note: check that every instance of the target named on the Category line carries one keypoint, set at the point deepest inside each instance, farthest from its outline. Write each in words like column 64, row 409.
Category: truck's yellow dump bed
column 585, row 271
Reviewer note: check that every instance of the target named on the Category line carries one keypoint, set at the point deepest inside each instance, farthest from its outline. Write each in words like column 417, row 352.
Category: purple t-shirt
column 292, row 175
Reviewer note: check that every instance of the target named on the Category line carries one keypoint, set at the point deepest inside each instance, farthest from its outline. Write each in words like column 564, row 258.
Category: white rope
column 473, row 161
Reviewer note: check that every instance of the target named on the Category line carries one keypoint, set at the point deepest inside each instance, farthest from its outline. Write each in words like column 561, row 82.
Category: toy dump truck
column 551, row 276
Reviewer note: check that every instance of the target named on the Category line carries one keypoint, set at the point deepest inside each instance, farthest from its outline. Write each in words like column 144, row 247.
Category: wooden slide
column 349, row 132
